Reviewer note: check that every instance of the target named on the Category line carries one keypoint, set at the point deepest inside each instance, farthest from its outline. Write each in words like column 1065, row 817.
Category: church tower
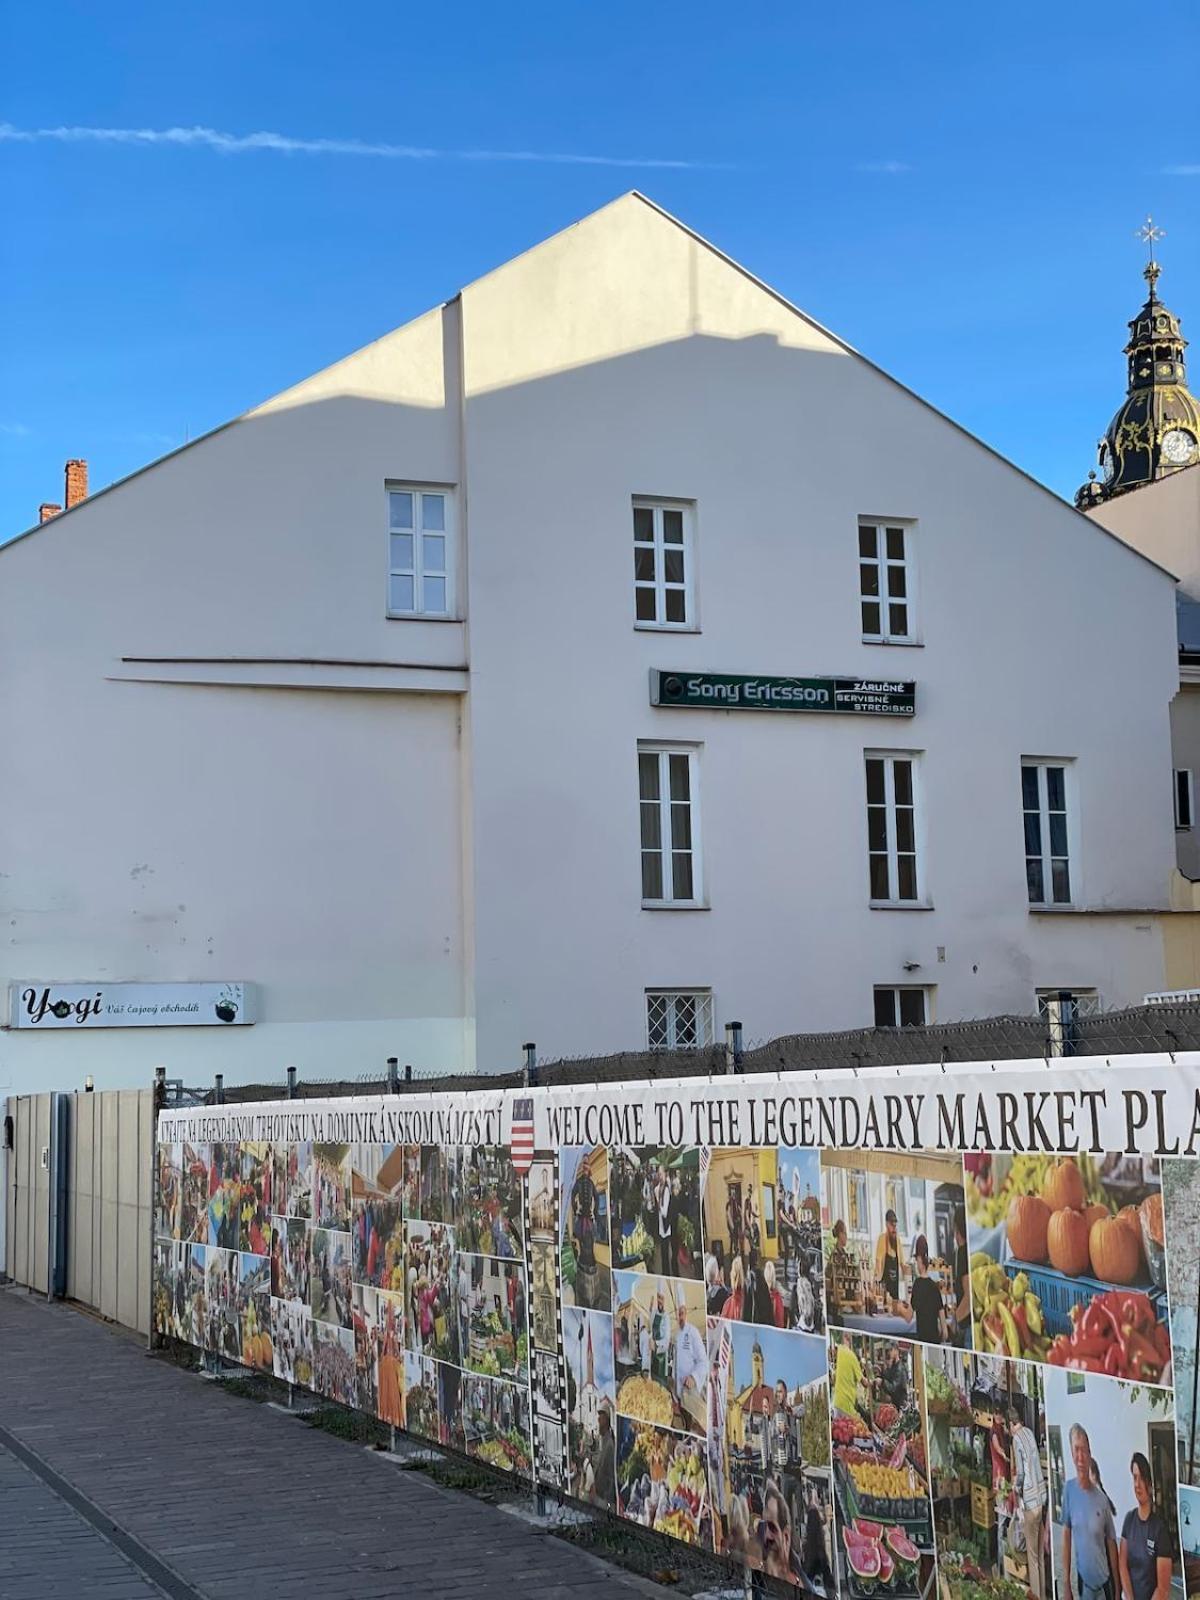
column 1157, row 429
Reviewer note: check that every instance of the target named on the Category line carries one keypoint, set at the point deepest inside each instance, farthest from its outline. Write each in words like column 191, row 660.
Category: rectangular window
column 1184, row 807
column 886, row 587
column 679, row 1019
column 670, row 832
column 906, row 1006
column 892, row 827
column 420, row 553
column 662, row 564
column 1047, row 842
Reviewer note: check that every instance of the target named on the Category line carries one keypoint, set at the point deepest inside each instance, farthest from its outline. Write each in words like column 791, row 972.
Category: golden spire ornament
column 1149, row 234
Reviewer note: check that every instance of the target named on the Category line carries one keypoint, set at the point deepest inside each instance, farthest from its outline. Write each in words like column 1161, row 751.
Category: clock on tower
column 1157, row 430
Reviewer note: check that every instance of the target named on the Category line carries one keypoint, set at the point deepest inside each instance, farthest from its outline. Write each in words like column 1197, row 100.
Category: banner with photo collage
column 926, row 1331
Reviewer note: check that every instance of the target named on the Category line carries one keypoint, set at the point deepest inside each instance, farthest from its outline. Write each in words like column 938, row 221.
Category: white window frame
column 1185, row 812
column 893, row 900
column 1059, row 1020
column 658, row 585
column 925, row 990
column 1041, row 765
column 418, row 571
column 883, row 566
column 666, row 848
column 668, row 1000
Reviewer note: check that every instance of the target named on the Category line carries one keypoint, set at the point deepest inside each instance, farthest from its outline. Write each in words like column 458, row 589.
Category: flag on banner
column 520, row 1140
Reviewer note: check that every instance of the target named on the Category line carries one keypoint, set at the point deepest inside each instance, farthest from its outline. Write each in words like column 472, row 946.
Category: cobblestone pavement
column 48, row 1549
column 160, row 1483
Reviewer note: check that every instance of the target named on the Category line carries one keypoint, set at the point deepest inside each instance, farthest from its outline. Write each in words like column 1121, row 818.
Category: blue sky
column 953, row 190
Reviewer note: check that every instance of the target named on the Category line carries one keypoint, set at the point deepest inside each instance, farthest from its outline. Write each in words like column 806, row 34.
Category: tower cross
column 1150, row 234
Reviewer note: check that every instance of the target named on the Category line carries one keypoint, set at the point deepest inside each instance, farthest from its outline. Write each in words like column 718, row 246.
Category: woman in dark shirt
column 1145, row 1543
column 926, row 1298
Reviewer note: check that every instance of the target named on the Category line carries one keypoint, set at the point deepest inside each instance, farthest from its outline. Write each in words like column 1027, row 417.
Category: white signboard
column 130, row 1005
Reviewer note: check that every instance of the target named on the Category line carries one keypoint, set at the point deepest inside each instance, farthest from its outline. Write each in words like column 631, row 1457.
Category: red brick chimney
column 76, row 482
column 46, row 511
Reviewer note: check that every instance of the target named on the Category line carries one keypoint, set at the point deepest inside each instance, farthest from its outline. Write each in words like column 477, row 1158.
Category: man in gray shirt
column 1089, row 1534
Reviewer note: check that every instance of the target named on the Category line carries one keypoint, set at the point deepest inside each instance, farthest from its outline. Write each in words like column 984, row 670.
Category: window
column 670, row 832
column 1060, row 1011
column 420, row 569
column 904, row 1007
column 1078, row 1002
column 885, row 583
column 662, row 564
column 679, row 1019
column 768, row 1209
column 1184, row 809
column 1047, row 852
column 892, row 828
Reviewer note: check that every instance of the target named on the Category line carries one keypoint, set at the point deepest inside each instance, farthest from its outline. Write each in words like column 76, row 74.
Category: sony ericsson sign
column 728, row 691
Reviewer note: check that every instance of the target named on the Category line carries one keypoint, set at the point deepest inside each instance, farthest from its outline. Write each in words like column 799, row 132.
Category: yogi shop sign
column 735, row 1310
column 129, row 1005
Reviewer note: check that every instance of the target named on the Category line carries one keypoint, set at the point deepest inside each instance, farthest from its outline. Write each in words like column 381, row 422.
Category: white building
column 350, row 699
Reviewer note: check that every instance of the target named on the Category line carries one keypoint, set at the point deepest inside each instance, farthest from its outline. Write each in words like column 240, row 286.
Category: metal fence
column 1060, row 1030
column 105, row 1200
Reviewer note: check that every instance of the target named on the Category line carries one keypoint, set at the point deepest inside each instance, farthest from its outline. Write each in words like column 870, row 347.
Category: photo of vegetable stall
column 1080, row 1241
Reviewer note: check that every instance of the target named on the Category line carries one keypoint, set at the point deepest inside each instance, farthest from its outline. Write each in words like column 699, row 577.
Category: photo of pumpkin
column 1054, row 1234
column 1067, row 1241
column 1028, row 1227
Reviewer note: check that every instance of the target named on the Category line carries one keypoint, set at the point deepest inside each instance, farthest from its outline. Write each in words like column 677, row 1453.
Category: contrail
column 285, row 144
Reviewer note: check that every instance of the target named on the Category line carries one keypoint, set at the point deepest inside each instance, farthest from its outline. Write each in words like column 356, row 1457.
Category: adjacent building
column 1152, row 445
column 609, row 652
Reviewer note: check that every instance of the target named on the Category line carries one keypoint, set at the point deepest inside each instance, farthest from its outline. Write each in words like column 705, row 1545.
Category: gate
column 78, row 1199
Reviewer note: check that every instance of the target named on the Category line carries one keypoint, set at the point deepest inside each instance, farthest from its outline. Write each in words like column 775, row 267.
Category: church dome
column 1157, row 429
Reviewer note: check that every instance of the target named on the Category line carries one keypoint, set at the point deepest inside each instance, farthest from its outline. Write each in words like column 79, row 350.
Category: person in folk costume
column 770, row 1308
column 585, row 1205
column 734, row 1308
column 666, row 1226
column 660, row 1334
column 733, row 1221
column 781, row 1424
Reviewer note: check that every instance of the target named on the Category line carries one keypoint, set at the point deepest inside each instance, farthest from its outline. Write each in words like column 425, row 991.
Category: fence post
column 529, row 1070
column 219, row 1088
column 158, row 1101
column 1068, row 1009
column 393, row 1075
column 733, row 1047
column 408, row 1072
column 291, row 1083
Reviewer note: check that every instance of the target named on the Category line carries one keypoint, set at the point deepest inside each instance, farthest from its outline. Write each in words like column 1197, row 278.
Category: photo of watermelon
column 904, row 1550
column 866, row 1563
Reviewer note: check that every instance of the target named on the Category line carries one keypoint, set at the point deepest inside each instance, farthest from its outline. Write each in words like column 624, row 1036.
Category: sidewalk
column 233, row 1498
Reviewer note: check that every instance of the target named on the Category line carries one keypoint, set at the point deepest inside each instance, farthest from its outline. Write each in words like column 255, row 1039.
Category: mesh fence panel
column 1155, row 1028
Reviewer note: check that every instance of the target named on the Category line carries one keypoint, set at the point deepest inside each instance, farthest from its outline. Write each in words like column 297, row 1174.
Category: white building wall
column 1162, row 520
column 271, row 791
column 626, row 358
column 421, row 838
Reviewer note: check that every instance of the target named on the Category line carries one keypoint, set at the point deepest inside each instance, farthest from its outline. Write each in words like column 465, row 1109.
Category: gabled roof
column 632, row 194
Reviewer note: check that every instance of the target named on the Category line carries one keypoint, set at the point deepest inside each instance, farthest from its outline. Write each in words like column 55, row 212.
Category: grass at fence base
column 454, row 1472
column 353, row 1426
column 252, row 1386
column 684, row 1568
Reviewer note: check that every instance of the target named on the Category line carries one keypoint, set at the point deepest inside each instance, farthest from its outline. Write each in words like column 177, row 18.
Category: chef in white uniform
column 691, row 1358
